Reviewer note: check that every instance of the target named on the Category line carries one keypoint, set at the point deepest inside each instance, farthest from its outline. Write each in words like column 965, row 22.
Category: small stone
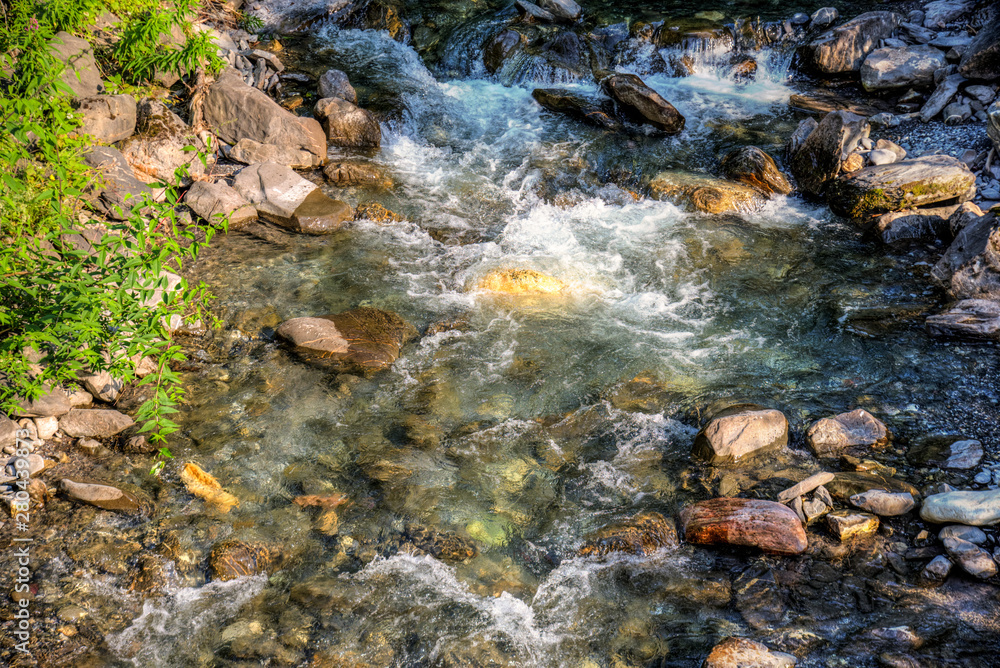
column 102, row 495
column 973, row 559
column 806, row 486
column 846, row 524
column 962, row 532
column 46, row 427
column 745, row 653
column 88, row 445
column 814, row 509
column 938, row 569
column 983, row 478
column 883, row 503
column 881, row 157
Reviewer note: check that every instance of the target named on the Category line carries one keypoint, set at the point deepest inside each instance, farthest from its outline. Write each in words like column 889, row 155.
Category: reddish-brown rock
column 767, row 525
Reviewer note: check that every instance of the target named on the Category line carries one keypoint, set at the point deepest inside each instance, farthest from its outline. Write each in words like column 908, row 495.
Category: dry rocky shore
column 907, row 75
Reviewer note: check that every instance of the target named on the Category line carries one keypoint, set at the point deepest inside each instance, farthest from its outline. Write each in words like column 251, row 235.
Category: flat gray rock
column 883, row 503
column 962, row 507
column 968, row 319
column 215, row 202
column 843, row 49
column 891, row 68
column 94, row 423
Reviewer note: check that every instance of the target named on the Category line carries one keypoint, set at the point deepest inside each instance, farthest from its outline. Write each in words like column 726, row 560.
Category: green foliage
column 68, row 305
column 249, row 22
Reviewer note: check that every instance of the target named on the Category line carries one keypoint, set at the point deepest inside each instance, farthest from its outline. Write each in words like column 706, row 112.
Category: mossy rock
column 642, row 534
column 702, row 192
column 231, row 559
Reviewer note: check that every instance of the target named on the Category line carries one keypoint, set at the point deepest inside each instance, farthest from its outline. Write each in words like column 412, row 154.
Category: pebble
column 846, row 524
column 971, row 534
column 938, row 569
column 983, row 477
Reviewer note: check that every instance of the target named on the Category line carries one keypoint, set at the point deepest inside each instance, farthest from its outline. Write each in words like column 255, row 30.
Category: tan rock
column 745, row 653
column 642, row 534
column 701, row 192
column 858, row 427
column 520, row 282
column 739, row 432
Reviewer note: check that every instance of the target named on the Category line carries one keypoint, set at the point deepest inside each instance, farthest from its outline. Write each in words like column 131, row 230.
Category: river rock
column 969, row 268
column 334, row 83
column 285, row 198
column 973, row 559
column 347, row 125
column 94, row 423
column 52, row 402
column 80, row 72
column 993, row 124
column 824, row 17
column 889, row 68
column 962, row 507
column 942, row 95
column 231, row 559
column 745, row 653
column 846, row 524
column 641, row 104
column 347, row 173
column 500, row 47
column 850, row 483
column 533, row 12
column 981, row 59
column 117, row 191
column 937, row 569
column 968, row 319
column 740, row 431
column 844, row 48
column 930, row 223
column 805, row 486
column 940, row 13
column 766, row 525
column 236, row 111
column 101, row 385
column 106, row 118
column 217, row 202
column 755, row 168
column 644, row 533
column 883, row 503
column 901, row 185
column 566, row 10
column 587, row 109
column 520, row 282
column 950, row 452
column 8, row 432
column 364, row 339
column 205, row 486
column 102, row 495
column 376, row 213
column 158, row 148
column 971, row 534
column 701, row 192
column 820, row 156
column 828, row 436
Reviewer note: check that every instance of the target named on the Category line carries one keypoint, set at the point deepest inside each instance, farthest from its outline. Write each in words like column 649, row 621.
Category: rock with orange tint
column 766, row 525
column 642, row 534
column 520, row 282
column 204, row 486
column 746, row 653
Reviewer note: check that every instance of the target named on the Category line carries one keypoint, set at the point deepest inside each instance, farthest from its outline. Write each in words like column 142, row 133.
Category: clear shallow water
column 535, row 421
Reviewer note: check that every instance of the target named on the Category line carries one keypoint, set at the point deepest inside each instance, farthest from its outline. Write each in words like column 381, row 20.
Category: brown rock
column 500, row 47
column 846, row 524
column 739, row 432
column 347, row 125
column 377, row 213
column 828, row 436
column 854, row 162
column 642, row 104
column 745, row 653
column 100, row 494
column 754, row 167
column 353, row 173
column 231, row 559
column 206, row 487
column 701, row 192
column 847, row 484
column 766, row 525
column 642, row 534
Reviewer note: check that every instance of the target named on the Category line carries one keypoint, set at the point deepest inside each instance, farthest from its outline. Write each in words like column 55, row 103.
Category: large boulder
column 739, row 432
column 963, row 507
column 236, row 111
column 335, row 83
column 158, row 148
column 107, row 118
column 822, row 153
column 217, row 202
column 968, row 319
column 347, row 125
column 80, row 71
column 970, row 268
column 94, row 423
column 599, row 112
column 701, row 192
column 829, row 436
column 363, row 340
column 641, row 104
column 755, row 168
column 765, row 525
column 844, row 48
column 906, row 67
column 285, row 198
column 901, row 185
column 115, row 190
column 981, row 59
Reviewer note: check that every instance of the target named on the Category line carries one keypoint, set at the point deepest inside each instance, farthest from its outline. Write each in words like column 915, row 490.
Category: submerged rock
column 820, row 155
column 859, row 427
column 968, row 319
column 642, row 104
column 644, row 533
column 950, row 452
column 231, row 559
column 766, row 525
column 889, row 68
column 376, row 213
column 844, row 48
column 206, row 487
column 102, row 495
column 520, row 282
column 746, row 653
column 846, row 524
column 444, row 545
column 701, row 192
column 587, row 109
column 901, row 185
column 741, row 431
column 755, row 168
column 962, row 507
column 285, row 198
column 365, row 340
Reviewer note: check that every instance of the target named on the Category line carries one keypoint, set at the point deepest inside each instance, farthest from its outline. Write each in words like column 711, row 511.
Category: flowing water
column 523, row 424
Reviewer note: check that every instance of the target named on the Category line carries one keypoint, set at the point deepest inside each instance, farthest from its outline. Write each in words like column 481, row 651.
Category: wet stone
column 642, row 534
column 828, row 436
column 743, row 653
column 757, row 169
column 937, row 569
column 973, row 559
column 884, row 504
column 967, row 533
column 739, row 432
column 102, row 495
column 962, row 507
column 231, row 559
column 950, row 452
column 846, row 524
column 444, row 545
column 766, row 525
column 846, row 484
